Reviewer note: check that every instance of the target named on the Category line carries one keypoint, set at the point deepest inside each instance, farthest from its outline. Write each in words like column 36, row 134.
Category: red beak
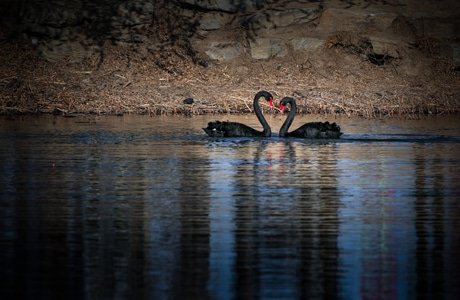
column 282, row 108
column 270, row 102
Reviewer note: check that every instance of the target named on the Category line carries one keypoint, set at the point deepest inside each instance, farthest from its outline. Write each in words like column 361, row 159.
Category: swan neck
column 267, row 130
column 290, row 118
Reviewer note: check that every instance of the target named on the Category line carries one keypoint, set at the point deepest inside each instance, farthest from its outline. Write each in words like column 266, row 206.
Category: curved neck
column 284, row 128
column 267, row 130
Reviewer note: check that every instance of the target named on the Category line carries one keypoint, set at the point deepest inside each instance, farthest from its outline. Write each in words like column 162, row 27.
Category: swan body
column 312, row 130
column 234, row 129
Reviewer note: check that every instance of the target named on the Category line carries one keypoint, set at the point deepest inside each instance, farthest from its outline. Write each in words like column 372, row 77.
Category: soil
column 133, row 79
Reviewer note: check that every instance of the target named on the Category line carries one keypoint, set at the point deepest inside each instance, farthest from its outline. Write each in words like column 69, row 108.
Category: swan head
column 282, row 107
column 268, row 97
column 284, row 102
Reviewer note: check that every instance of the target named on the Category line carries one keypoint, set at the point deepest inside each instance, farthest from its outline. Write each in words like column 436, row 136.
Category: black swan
column 234, row 129
column 312, row 130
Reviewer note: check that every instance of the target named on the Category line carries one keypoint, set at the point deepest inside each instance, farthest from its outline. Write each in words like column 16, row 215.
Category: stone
column 307, row 43
column 277, row 19
column 386, row 46
column 430, row 8
column 210, row 24
column 438, row 28
column 264, row 48
column 358, row 22
column 72, row 51
column 224, row 50
column 452, row 53
column 224, row 5
column 56, row 27
column 133, row 14
column 128, row 36
column 38, row 29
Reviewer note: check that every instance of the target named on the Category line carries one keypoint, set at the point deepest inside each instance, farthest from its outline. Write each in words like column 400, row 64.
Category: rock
column 64, row 28
column 418, row 9
column 128, row 36
column 306, row 43
column 276, row 19
column 224, row 50
column 61, row 29
column 73, row 51
column 224, row 5
column 362, row 22
column 56, row 16
column 387, row 46
column 133, row 14
column 188, row 101
column 438, row 28
column 210, row 24
column 263, row 48
column 452, row 53
column 40, row 30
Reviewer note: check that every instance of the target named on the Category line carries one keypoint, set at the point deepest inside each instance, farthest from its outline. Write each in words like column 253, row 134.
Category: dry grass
column 334, row 81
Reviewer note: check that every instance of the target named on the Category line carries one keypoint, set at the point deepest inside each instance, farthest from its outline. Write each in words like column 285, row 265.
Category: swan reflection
column 145, row 208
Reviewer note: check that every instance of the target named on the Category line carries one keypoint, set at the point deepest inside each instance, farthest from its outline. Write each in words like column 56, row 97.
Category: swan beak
column 270, row 102
column 282, row 108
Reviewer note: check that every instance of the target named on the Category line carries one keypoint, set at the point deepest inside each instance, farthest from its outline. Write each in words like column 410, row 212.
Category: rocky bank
column 371, row 58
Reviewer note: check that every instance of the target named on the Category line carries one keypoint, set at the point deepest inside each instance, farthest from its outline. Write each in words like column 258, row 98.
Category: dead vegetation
column 140, row 79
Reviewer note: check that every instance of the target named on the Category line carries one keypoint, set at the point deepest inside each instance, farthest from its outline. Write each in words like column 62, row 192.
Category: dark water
column 151, row 208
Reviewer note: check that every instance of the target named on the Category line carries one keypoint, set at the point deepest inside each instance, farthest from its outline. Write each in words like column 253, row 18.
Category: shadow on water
column 408, row 138
column 153, row 208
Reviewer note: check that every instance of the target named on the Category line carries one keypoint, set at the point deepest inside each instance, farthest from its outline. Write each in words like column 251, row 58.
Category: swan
column 234, row 129
column 312, row 130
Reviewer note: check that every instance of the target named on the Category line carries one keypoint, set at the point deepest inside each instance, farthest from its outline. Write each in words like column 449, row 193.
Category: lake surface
column 151, row 208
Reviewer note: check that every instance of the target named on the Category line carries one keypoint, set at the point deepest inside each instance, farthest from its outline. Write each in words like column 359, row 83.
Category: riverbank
column 123, row 81
column 373, row 60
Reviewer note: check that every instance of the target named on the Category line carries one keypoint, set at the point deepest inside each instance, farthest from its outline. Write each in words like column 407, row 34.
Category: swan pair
column 312, row 130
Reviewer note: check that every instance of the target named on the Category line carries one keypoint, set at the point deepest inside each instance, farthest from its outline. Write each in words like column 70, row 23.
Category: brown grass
column 334, row 81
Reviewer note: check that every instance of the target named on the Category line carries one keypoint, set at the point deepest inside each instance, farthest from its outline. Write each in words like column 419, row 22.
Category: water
column 152, row 208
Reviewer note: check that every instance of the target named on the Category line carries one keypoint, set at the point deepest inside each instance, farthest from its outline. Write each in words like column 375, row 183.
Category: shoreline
column 331, row 64
column 333, row 81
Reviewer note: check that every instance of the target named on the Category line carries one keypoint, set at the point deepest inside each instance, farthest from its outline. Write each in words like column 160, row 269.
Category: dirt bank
column 131, row 79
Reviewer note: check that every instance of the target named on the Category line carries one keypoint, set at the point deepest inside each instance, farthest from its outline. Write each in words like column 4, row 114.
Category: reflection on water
column 140, row 207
